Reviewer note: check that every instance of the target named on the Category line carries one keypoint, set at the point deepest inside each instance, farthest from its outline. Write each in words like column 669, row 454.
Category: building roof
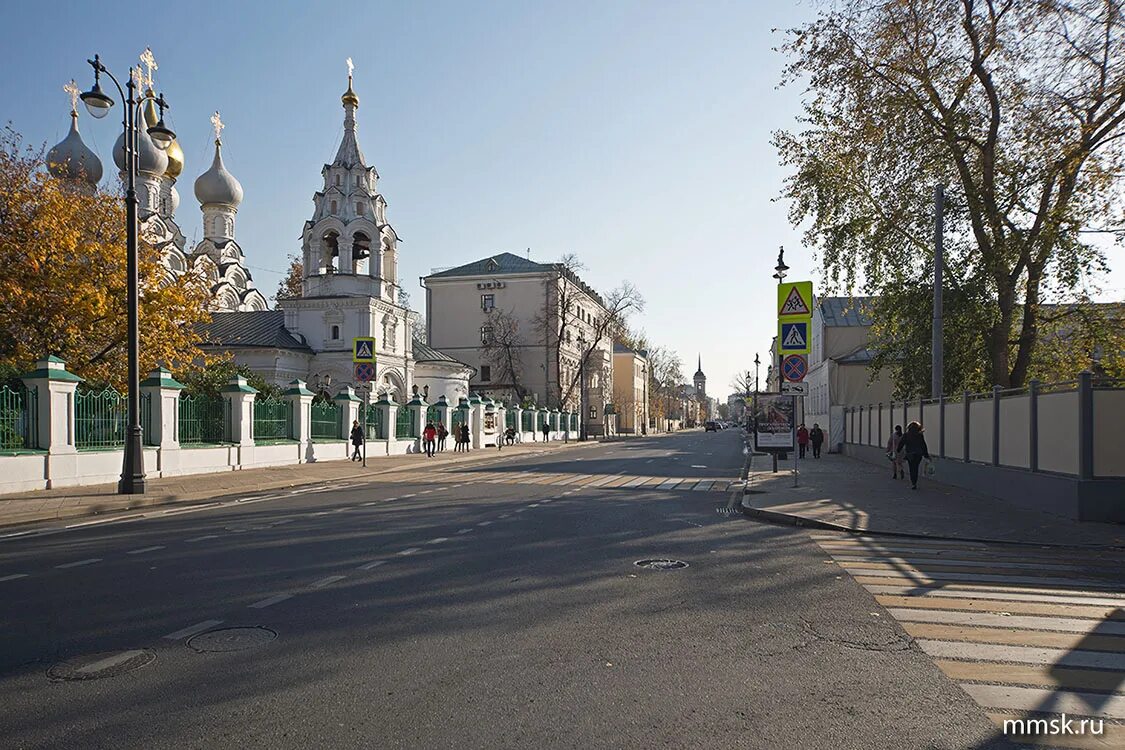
column 622, row 349
column 859, row 356
column 261, row 328
column 497, row 264
column 426, row 353
column 846, row 311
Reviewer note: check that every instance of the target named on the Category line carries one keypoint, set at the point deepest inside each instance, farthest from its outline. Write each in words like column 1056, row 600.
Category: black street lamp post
column 98, row 103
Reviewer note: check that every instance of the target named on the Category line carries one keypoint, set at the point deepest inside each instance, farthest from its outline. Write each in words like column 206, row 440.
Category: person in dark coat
column 465, row 437
column 816, row 437
column 357, row 440
column 914, row 448
column 546, row 429
column 802, row 440
column 442, row 433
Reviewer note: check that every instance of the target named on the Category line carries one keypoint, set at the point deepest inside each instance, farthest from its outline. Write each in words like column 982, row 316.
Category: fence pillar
column 164, row 399
column 965, row 404
column 54, row 388
column 387, row 406
column 476, row 420
column 921, row 412
column 240, row 399
column 941, row 425
column 1085, row 425
column 418, row 406
column 443, row 412
column 300, row 399
column 995, row 425
column 349, row 404
column 1033, row 425
column 861, row 426
column 880, row 433
column 905, row 415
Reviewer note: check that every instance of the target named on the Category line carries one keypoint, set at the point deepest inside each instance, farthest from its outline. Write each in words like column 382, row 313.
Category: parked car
column 711, row 426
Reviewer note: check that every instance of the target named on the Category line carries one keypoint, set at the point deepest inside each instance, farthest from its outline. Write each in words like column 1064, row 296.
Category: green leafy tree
column 1016, row 106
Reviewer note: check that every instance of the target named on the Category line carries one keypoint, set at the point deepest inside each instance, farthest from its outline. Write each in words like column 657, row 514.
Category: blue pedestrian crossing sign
column 793, row 338
column 363, row 349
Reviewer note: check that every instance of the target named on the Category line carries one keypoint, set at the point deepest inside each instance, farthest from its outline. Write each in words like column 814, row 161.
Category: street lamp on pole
column 582, row 386
column 98, row 103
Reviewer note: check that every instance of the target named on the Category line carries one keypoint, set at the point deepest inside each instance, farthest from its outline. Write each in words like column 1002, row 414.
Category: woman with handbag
column 914, row 447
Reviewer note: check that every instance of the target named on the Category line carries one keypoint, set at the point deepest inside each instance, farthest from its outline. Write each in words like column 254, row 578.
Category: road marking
column 438, row 540
column 202, row 538
column 109, row 661
column 283, row 521
column 536, row 505
column 517, row 510
column 410, row 550
column 412, row 494
column 100, row 521
column 425, row 492
column 143, row 550
column 326, row 580
column 698, row 466
column 463, row 531
column 441, row 489
column 962, row 592
column 194, row 509
column 372, row 564
column 321, row 513
column 191, row 630
column 270, row 601
column 918, row 577
column 13, row 577
column 91, row 561
column 1034, row 699
column 486, row 523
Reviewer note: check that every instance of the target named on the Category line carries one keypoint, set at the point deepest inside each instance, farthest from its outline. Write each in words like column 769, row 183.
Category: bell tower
column 700, row 380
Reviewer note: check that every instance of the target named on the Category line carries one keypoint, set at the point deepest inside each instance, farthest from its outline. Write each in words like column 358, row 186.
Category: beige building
column 630, row 389
column 839, row 374
column 531, row 330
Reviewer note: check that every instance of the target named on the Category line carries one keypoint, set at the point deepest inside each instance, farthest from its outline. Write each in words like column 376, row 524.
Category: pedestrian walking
column 429, row 439
column 914, row 448
column 546, row 428
column 357, row 440
column 510, row 435
column 465, row 438
column 894, row 452
column 816, row 437
column 802, row 440
column 442, row 434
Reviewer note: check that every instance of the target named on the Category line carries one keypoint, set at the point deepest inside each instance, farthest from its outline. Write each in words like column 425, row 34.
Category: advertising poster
column 774, row 427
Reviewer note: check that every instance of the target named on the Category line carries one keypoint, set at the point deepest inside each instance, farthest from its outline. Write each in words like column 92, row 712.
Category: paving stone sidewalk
column 72, row 502
column 858, row 496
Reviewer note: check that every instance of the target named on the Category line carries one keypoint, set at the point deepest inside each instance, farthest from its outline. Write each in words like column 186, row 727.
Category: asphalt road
column 495, row 607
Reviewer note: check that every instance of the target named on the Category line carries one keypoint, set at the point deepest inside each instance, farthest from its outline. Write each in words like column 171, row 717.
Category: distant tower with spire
column 700, row 380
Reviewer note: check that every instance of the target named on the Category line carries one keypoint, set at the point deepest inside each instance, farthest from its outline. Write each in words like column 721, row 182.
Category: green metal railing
column 510, row 418
column 100, row 418
column 459, row 416
column 404, row 423
column 526, row 423
column 375, row 423
column 203, row 419
column 146, row 419
column 432, row 415
column 273, row 420
column 325, row 420
column 19, row 419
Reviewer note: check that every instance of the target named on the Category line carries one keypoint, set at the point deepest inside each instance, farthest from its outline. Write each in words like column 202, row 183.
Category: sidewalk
column 851, row 495
column 71, row 502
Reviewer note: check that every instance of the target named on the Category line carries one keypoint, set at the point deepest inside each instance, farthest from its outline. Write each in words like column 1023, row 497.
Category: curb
column 93, row 509
column 777, row 518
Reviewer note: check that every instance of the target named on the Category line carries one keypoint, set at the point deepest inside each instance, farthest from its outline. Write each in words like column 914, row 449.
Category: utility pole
column 937, row 363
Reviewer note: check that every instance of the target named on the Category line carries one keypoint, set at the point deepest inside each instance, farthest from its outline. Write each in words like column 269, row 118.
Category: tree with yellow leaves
column 63, row 284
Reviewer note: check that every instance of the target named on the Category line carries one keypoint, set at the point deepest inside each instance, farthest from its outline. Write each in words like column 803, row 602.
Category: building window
column 337, row 180
column 486, row 334
column 359, row 208
column 335, row 333
column 487, row 302
column 333, row 207
column 485, row 373
column 593, row 412
column 357, row 180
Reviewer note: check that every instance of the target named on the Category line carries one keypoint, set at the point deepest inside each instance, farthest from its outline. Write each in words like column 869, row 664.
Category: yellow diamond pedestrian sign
column 794, row 300
column 363, row 349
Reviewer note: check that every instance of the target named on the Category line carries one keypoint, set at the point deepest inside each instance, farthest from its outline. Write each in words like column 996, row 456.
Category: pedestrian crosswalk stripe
column 993, row 605
column 1030, row 674
column 1016, row 637
column 976, row 592
column 891, row 571
column 1035, row 699
column 1007, row 564
column 1023, row 654
column 1007, row 620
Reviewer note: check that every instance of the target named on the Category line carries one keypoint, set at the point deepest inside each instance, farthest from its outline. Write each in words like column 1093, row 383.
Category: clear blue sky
column 635, row 134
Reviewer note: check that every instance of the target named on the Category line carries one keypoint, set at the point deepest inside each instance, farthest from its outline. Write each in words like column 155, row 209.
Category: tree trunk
column 1029, row 331
column 998, row 337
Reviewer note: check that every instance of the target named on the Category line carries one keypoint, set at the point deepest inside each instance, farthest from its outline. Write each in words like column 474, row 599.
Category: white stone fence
column 53, row 435
column 1040, row 442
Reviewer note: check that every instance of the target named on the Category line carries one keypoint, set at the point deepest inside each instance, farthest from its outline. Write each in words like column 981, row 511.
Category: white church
column 350, row 257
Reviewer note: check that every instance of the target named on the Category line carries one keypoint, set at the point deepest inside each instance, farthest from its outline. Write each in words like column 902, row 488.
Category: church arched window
column 335, row 333
column 337, row 180
column 333, row 208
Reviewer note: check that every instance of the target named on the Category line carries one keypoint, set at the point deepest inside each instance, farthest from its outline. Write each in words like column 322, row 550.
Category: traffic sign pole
column 366, row 395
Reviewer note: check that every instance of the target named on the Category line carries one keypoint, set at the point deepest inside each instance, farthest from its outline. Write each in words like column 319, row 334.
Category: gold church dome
column 174, row 153
column 350, row 97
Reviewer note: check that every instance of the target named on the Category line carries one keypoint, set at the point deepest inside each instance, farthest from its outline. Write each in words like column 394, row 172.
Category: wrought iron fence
column 432, row 415
column 203, row 419
column 19, row 419
column 325, row 420
column 146, row 418
column 273, row 420
column 404, row 423
column 527, row 423
column 375, row 423
column 459, row 416
column 100, row 419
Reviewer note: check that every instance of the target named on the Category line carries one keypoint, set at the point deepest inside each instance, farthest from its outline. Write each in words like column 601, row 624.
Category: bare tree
column 501, row 347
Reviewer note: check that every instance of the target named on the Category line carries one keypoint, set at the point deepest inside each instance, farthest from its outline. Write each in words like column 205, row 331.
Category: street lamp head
column 780, row 268
column 97, row 101
column 161, row 135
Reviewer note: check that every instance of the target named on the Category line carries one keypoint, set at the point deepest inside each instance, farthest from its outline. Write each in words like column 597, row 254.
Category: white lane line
column 202, row 538
column 505, row 515
column 371, row 565
column 373, row 502
column 321, row 513
column 518, row 510
column 191, row 630
column 194, row 509
column 270, row 601
column 698, row 466
column 545, row 501
column 80, row 563
column 327, row 580
column 463, row 531
column 143, row 550
column 650, row 460
column 412, row 494
column 441, row 489
column 425, row 492
column 410, row 551
column 534, row 505
column 438, row 540
column 13, row 577
column 109, row 661
column 100, row 521
column 283, row 521
column 486, row 523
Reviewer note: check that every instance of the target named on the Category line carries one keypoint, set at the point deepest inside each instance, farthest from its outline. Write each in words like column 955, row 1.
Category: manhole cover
column 98, row 666
column 230, row 639
column 661, row 564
